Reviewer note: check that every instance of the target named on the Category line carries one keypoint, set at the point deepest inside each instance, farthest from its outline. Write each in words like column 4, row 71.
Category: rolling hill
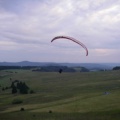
column 90, row 66
column 91, row 95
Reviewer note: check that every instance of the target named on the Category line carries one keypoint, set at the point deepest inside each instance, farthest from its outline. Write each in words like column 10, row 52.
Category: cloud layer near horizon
column 27, row 27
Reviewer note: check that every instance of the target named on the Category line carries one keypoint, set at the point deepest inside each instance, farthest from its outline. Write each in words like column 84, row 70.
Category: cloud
column 30, row 25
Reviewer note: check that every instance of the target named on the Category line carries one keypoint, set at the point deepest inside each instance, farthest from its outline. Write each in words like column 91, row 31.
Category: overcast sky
column 27, row 27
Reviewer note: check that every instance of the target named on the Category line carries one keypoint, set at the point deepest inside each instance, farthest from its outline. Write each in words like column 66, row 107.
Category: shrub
column 17, row 101
column 50, row 111
column 3, row 89
column 31, row 92
column 22, row 109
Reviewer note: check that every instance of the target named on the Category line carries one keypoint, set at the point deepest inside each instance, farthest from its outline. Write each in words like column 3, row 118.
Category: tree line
column 19, row 87
column 116, row 68
column 16, row 67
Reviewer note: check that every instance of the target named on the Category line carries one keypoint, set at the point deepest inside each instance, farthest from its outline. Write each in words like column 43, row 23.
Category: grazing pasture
column 66, row 96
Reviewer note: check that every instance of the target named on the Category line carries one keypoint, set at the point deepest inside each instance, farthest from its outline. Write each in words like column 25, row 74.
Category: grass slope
column 91, row 96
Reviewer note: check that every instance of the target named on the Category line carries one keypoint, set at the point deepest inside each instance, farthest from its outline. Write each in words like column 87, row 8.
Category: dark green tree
column 14, row 89
column 23, row 88
column 116, row 68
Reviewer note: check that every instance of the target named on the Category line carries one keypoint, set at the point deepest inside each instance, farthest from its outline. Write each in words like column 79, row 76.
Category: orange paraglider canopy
column 72, row 39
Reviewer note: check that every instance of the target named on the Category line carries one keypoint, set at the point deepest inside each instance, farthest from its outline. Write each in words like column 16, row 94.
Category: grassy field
column 70, row 96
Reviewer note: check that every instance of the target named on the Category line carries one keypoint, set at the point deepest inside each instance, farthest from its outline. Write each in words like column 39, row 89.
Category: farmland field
column 66, row 96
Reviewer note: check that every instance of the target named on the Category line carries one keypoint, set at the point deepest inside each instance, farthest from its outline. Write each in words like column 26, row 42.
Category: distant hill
column 55, row 69
column 90, row 66
column 26, row 63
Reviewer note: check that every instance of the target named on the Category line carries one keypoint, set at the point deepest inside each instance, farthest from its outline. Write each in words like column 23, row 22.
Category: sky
column 28, row 26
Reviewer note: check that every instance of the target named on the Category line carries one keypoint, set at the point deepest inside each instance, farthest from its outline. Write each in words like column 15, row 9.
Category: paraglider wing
column 72, row 39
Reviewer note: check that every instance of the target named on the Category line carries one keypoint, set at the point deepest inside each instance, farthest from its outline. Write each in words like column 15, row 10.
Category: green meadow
column 66, row 96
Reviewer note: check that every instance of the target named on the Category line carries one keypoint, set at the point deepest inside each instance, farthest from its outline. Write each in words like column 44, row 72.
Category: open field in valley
column 66, row 96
